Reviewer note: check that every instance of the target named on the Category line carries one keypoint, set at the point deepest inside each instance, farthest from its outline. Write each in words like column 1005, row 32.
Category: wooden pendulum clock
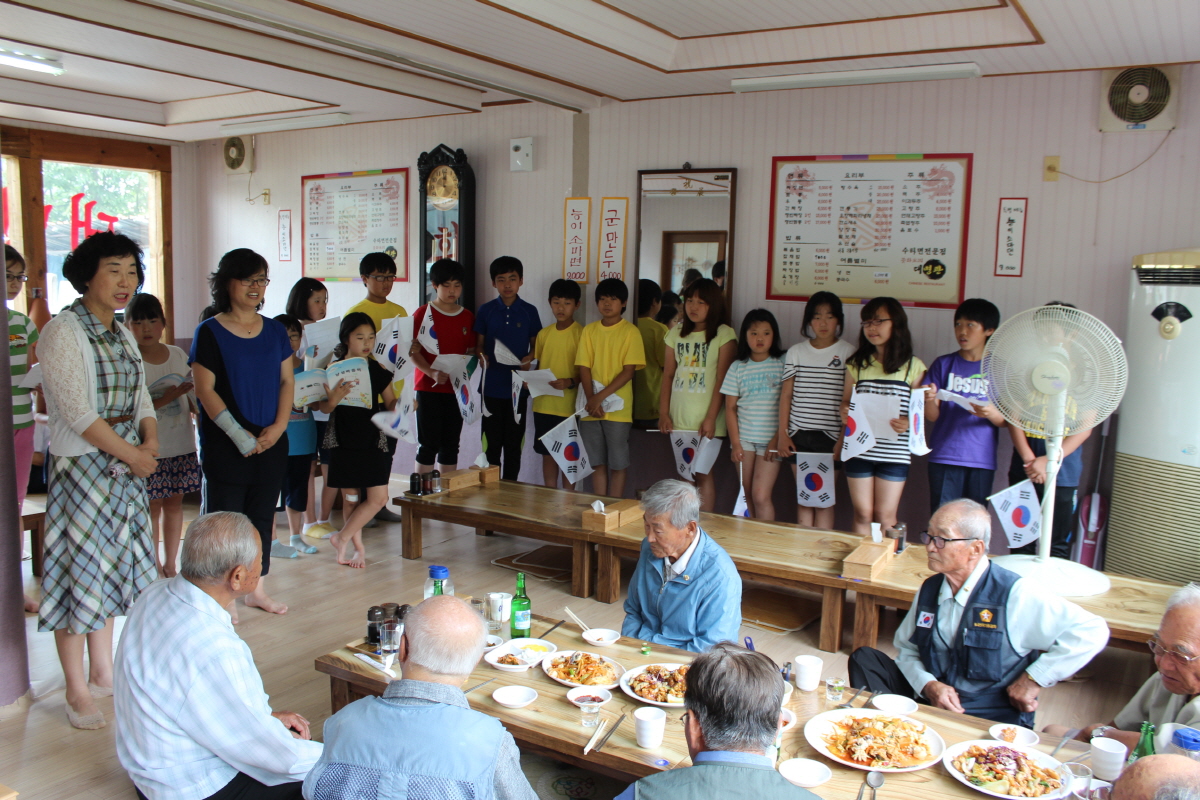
column 447, row 203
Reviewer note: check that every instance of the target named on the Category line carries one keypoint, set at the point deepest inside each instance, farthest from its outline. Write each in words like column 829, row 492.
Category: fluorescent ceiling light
column 30, row 61
column 285, row 124
column 855, row 77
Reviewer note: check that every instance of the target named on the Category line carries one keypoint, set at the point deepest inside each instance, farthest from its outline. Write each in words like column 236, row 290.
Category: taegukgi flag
column 814, row 480
column 1020, row 513
column 426, row 334
column 916, row 423
column 466, row 383
column 399, row 423
column 857, row 436
column 565, row 446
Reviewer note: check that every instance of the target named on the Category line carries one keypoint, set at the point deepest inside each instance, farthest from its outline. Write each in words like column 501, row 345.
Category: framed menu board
column 864, row 226
column 349, row 214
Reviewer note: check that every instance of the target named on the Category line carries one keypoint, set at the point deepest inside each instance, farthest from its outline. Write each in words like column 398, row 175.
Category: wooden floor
column 44, row 758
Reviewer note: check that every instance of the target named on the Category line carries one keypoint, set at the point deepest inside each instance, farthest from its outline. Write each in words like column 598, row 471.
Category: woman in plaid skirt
column 103, row 444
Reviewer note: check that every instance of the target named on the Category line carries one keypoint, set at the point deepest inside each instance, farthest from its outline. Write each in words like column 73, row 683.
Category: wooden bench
column 33, row 519
column 1133, row 607
column 775, row 553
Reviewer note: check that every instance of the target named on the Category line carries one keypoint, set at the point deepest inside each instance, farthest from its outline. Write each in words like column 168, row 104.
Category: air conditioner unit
column 1139, row 99
column 1154, row 518
column 238, row 154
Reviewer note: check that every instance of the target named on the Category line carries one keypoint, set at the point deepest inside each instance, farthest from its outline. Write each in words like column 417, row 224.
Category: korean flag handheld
column 685, row 445
column 1020, row 513
column 566, row 448
column 916, row 423
column 426, row 334
column 857, row 438
column 517, row 385
column 814, row 480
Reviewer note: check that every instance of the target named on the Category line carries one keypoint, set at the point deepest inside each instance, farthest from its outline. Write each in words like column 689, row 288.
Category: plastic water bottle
column 1185, row 742
column 439, row 573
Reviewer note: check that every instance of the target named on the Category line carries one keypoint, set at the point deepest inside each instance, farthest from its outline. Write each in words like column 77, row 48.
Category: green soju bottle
column 520, row 609
column 437, row 587
column 1145, row 745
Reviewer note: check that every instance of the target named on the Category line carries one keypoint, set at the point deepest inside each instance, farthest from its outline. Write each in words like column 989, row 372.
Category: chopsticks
column 577, row 620
column 476, row 686
column 599, row 731
column 610, row 732
column 553, row 629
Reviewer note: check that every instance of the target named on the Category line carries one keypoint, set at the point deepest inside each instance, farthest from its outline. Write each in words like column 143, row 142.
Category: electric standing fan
column 1055, row 371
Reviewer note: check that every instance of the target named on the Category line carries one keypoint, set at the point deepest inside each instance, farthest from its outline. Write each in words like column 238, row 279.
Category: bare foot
column 266, row 604
column 335, row 539
column 31, row 605
column 343, row 559
column 359, row 561
column 84, row 705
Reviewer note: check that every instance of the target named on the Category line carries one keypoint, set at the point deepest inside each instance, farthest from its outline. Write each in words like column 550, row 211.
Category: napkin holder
column 459, row 479
column 616, row 514
column 489, row 474
column 869, row 559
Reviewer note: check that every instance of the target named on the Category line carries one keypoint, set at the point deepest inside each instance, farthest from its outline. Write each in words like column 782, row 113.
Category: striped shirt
column 22, row 335
column 819, row 378
column 873, row 380
column 756, row 386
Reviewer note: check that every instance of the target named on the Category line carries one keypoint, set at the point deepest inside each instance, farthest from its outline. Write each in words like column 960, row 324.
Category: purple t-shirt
column 959, row 437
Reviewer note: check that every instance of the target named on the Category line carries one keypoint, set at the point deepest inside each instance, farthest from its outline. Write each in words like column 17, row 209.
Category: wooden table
column 770, row 552
column 520, row 509
column 550, row 725
column 1133, row 607
column 33, row 519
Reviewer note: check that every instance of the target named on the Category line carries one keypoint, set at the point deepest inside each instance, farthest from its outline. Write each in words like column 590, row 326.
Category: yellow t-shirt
column 696, row 377
column 647, row 383
column 608, row 350
column 555, row 350
column 910, row 373
column 379, row 314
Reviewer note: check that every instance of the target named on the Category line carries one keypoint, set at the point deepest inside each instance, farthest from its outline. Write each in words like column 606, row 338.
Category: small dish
column 789, row 720
column 539, row 647
column 805, row 772
column 787, row 693
column 601, row 637
column 894, row 704
column 514, row 696
column 589, row 691
column 1025, row 737
column 493, row 641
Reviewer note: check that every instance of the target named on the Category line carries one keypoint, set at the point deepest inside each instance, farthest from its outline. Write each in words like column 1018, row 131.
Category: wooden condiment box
column 615, row 514
column 869, row 559
column 459, row 479
column 488, row 474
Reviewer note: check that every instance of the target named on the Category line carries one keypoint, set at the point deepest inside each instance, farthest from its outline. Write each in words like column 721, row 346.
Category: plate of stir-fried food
column 577, row 668
column 867, row 739
column 1004, row 770
column 657, row 684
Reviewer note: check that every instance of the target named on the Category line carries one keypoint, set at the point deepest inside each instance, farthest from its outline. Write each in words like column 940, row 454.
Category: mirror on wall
column 685, row 227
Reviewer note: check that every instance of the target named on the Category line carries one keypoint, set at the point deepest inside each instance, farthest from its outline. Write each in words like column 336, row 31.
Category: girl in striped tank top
column 883, row 366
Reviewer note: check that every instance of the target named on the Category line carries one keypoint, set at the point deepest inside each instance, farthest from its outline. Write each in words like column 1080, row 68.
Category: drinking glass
column 480, row 606
column 389, row 642
column 589, row 714
column 495, row 611
column 1080, row 778
column 833, row 690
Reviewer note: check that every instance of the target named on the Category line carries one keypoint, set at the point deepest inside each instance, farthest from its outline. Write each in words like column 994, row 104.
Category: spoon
column 874, row 780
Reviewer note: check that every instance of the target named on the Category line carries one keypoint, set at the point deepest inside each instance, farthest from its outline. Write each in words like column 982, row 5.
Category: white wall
column 675, row 214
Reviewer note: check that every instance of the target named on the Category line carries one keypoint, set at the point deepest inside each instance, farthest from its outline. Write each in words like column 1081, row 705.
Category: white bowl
column 601, row 637
column 522, row 643
column 789, row 720
column 896, row 704
column 514, row 696
column 787, row 693
column 805, row 772
column 1025, row 737
column 584, row 691
column 493, row 641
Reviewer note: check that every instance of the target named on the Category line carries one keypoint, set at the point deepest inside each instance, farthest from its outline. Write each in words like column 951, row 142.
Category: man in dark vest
column 979, row 639
column 733, row 700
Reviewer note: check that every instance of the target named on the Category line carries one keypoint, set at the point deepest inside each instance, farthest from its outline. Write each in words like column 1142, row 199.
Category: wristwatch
column 1100, row 730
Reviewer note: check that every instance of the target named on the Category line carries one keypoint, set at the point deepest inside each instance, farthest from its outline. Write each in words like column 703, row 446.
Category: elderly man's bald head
column 1165, row 777
column 445, row 637
column 969, row 519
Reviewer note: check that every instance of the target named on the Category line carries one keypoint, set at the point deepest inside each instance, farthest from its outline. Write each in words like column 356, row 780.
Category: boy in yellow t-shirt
column 555, row 349
column 378, row 272
column 610, row 351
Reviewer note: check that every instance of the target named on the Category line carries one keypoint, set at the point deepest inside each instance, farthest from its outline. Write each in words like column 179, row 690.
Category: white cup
column 649, row 726
column 499, row 606
column 1108, row 758
column 808, row 672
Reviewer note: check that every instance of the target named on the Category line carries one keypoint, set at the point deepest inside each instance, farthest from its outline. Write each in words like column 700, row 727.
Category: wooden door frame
column 670, row 238
column 32, row 146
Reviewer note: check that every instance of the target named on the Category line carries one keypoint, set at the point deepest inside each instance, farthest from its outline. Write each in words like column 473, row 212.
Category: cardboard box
column 868, row 560
column 488, row 474
column 459, row 479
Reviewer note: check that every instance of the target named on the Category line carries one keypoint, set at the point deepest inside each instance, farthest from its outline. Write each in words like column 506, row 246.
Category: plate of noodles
column 1003, row 770
column 577, row 668
column 868, row 739
column 657, row 684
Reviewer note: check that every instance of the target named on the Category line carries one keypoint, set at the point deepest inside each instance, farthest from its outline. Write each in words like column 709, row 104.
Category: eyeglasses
column 684, row 719
column 1157, row 649
column 264, row 282
column 940, row 541
column 16, row 278
column 383, row 278
column 875, row 323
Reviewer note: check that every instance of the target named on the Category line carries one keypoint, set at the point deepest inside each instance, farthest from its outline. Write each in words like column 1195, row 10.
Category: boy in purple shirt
column 963, row 458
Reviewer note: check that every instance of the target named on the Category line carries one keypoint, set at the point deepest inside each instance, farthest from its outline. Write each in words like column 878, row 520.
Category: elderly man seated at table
column 685, row 591
column 1162, row 777
column 421, row 740
column 1173, row 693
column 979, row 639
column 732, row 718
column 193, row 720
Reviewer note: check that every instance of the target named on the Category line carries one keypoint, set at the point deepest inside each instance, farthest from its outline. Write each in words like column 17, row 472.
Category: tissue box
column 459, row 479
column 868, row 559
column 488, row 474
column 616, row 514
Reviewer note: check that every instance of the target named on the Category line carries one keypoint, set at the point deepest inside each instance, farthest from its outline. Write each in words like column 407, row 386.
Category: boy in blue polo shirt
column 515, row 323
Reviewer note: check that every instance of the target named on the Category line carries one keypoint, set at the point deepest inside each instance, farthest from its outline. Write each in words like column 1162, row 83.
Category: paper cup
column 808, row 672
column 649, row 726
column 499, row 606
column 1108, row 758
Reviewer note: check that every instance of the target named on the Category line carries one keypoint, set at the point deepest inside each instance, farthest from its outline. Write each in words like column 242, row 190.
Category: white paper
column 876, row 532
column 706, row 456
column 879, row 410
column 598, row 506
column 481, row 461
column 505, row 356
column 1020, row 513
column 34, row 377
column 318, row 341
column 565, row 446
column 611, row 403
column 451, row 363
column 916, row 423
column 538, row 381
column 814, row 480
column 857, row 437
column 957, row 399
